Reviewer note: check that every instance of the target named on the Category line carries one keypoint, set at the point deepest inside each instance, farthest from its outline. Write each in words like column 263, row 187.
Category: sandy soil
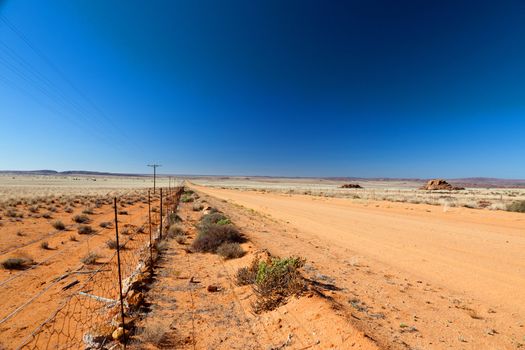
column 412, row 276
column 185, row 315
column 30, row 296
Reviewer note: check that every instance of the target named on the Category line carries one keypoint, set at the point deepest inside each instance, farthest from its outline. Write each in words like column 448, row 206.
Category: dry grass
column 153, row 332
column 17, row 263
column 230, row 250
column 81, row 219
column 90, row 258
column 85, row 230
column 58, row 225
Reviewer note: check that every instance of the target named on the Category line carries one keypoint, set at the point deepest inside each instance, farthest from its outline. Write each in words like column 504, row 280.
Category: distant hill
column 68, row 172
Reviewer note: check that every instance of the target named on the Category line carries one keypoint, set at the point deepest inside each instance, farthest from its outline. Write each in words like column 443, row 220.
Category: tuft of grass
column 85, row 230
column 105, row 224
column 175, row 230
column 81, row 219
column 230, row 250
column 180, row 239
column 90, row 258
column 68, row 210
column 20, row 233
column 154, row 332
column 58, row 225
column 73, row 238
column 112, row 244
column 17, row 263
column 47, row 216
column 122, row 212
column 88, row 211
column 44, row 245
column 518, row 206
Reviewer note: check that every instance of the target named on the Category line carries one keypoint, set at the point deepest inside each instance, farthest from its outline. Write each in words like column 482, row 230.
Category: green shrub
column 211, row 219
column 518, row 206
column 230, row 250
column 276, row 280
column 224, row 222
column 186, row 199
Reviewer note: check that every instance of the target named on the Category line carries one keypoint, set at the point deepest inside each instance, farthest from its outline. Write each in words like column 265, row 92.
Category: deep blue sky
column 299, row 88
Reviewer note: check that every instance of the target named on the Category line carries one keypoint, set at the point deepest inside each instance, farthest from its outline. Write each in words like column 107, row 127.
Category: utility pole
column 154, row 166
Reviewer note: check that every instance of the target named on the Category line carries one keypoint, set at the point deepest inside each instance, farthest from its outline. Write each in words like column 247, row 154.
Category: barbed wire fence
column 97, row 313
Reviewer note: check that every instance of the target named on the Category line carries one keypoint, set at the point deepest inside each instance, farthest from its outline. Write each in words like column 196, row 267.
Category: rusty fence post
column 119, row 276
column 149, row 221
column 160, row 228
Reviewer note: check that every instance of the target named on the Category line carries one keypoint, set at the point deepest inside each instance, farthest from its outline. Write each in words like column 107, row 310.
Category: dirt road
column 473, row 254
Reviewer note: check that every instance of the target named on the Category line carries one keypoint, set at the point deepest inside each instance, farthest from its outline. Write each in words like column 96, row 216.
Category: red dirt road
column 475, row 254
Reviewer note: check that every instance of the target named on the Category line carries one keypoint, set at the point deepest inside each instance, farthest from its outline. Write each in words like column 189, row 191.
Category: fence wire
column 89, row 315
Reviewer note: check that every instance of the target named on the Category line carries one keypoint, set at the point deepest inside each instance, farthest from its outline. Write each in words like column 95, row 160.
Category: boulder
column 440, row 184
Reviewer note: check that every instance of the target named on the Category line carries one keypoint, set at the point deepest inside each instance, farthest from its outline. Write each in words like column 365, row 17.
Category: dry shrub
column 186, row 199
column 197, row 207
column 73, row 238
column 58, row 225
column 122, row 212
column 112, row 244
column 17, row 263
column 214, row 235
column 105, row 224
column 88, row 211
column 68, row 210
column 85, row 230
column 247, row 275
column 180, row 239
column 175, row 230
column 154, row 332
column 211, row 219
column 44, row 245
column 230, row 250
column 90, row 258
column 80, row 219
column 518, row 206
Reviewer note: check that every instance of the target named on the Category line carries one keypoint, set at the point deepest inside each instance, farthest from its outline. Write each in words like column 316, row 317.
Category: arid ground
column 381, row 274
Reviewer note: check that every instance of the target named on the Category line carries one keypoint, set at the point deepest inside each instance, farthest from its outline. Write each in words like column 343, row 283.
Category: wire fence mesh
column 89, row 315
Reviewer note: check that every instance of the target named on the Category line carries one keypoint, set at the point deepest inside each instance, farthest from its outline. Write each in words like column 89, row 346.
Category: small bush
column 122, row 212
column 105, row 224
column 224, row 222
column 44, row 245
column 247, row 275
column 276, row 280
column 154, row 332
column 58, row 225
column 68, row 210
column 197, row 207
column 17, row 263
column 112, row 244
column 88, row 211
column 211, row 219
column 180, row 239
column 20, row 233
column 85, row 230
column 80, row 219
column 211, row 237
column 33, row 209
column 47, row 216
column 175, row 230
column 161, row 246
column 90, row 258
column 186, row 199
column 518, row 206
column 230, row 250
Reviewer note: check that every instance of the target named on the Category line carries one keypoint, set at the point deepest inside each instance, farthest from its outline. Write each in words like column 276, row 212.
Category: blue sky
column 295, row 88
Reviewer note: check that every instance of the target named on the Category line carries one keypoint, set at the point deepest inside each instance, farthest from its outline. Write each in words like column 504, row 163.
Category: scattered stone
column 213, row 289
column 118, row 333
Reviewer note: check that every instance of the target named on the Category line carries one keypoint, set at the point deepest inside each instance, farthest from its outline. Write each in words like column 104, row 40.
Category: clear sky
column 295, row 88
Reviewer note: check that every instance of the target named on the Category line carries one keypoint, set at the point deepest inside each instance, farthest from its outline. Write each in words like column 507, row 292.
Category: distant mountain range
column 462, row 182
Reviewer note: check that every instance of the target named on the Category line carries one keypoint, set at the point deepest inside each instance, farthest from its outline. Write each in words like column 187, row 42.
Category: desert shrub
column 197, row 206
column 125, row 231
column 186, row 199
column 247, row 275
column 90, row 258
column 154, row 332
column 224, row 222
column 154, row 209
column 33, row 209
column 518, row 206
column 105, row 224
column 80, row 219
column 58, row 225
column 173, row 218
column 17, row 263
column 44, row 245
column 12, row 213
column 73, row 238
column 68, row 210
column 20, row 233
column 212, row 236
column 210, row 219
column 88, row 211
column 112, row 244
column 180, row 239
column 140, row 229
column 276, row 280
column 85, row 230
column 47, row 216
column 230, row 250
column 161, row 246
column 122, row 212
column 175, row 230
